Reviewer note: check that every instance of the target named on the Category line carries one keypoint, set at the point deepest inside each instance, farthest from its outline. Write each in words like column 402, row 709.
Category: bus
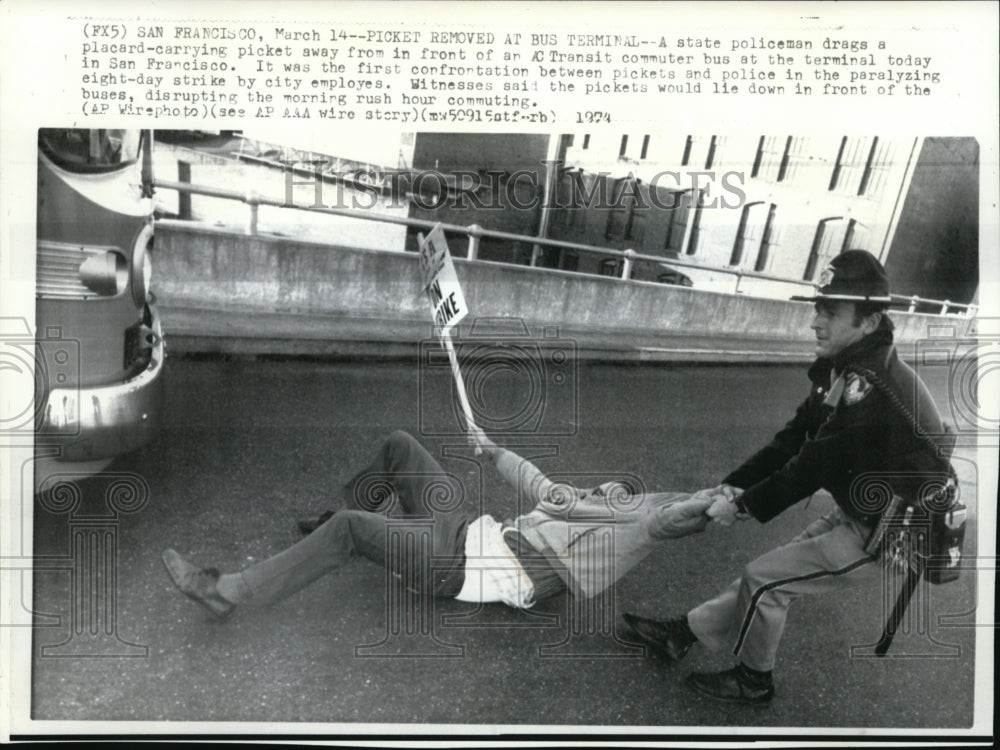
column 99, row 347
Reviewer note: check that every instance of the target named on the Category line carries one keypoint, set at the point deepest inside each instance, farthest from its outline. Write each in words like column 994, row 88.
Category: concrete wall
column 220, row 291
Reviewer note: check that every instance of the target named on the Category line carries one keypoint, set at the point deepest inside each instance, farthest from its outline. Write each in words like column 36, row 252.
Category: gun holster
column 946, row 543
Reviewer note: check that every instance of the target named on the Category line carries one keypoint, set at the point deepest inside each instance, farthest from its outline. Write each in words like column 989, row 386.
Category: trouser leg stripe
column 755, row 599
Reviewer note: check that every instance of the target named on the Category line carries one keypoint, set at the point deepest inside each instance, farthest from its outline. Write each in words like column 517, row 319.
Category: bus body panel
column 99, row 342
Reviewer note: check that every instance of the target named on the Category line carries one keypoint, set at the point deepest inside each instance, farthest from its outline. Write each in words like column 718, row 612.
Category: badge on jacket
column 857, row 388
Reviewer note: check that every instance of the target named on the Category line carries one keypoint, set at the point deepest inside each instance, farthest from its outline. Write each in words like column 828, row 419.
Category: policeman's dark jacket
column 857, row 449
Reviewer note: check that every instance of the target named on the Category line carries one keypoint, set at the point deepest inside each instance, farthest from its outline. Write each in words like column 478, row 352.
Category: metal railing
column 476, row 233
column 944, row 306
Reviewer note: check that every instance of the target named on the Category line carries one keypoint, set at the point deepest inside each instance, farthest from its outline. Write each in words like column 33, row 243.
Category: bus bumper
column 93, row 424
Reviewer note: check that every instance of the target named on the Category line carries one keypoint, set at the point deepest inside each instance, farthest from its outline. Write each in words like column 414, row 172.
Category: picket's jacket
column 592, row 537
column 878, row 433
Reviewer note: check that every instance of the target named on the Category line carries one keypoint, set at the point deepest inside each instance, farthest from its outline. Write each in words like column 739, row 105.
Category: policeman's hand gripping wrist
column 728, row 506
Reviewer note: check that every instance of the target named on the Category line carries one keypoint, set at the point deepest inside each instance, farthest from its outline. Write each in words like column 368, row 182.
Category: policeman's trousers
column 748, row 617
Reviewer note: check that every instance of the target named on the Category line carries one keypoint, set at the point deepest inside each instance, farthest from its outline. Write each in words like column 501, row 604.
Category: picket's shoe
column 197, row 583
column 734, row 685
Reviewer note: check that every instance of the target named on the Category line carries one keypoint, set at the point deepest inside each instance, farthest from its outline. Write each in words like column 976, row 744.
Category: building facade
column 752, row 213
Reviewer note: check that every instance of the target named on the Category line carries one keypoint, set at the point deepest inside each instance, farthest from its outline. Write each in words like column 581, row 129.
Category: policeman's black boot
column 668, row 639
column 737, row 685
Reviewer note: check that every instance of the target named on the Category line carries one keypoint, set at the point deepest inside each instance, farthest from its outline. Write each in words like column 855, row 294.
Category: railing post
column 627, row 265
column 475, row 232
column 184, row 196
column 251, row 200
column 944, row 307
column 913, row 303
column 536, row 251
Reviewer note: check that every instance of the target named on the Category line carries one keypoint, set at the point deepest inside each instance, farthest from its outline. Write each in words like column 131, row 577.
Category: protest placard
column 440, row 280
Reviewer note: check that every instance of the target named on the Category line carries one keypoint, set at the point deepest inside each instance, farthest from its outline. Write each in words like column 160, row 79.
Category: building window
column 560, row 258
column 680, row 208
column 796, row 151
column 829, row 235
column 876, row 172
column 848, row 236
column 848, row 170
column 768, row 241
column 758, row 158
column 586, row 142
column 755, row 233
column 569, row 213
column 694, row 236
column 744, row 234
column 623, row 148
column 866, row 175
column 645, row 147
column 856, row 236
column 712, row 146
column 785, row 157
column 835, row 177
column 705, row 149
column 610, row 267
column 624, row 222
column 674, row 277
column 771, row 158
column 686, row 157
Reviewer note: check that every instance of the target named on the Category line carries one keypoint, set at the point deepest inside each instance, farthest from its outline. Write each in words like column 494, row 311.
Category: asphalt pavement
column 250, row 444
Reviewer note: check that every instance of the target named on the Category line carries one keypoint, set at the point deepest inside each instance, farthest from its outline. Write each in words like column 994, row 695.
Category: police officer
column 865, row 426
